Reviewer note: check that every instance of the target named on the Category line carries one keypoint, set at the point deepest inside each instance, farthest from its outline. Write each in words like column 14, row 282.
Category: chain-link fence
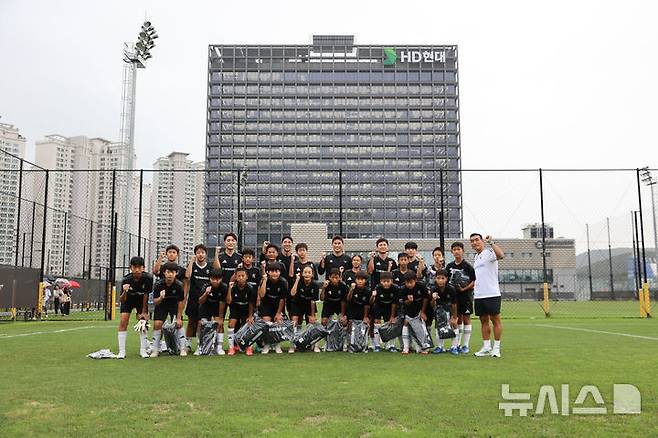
column 583, row 233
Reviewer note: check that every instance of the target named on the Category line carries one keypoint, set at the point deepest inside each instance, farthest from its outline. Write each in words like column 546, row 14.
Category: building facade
column 360, row 137
column 177, row 203
column 13, row 145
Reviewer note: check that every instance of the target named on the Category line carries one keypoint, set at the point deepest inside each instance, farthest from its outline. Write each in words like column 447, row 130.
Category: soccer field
column 49, row 387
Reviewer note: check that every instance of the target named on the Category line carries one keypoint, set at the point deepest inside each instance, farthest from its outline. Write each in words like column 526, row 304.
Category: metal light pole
column 647, row 179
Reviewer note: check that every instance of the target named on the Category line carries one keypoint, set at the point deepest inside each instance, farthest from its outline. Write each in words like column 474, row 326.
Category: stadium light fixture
column 647, row 178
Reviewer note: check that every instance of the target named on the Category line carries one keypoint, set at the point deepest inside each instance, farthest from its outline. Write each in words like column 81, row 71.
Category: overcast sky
column 572, row 84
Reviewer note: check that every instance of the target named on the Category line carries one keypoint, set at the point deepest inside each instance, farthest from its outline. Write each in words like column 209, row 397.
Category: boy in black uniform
column 169, row 300
column 337, row 259
column 349, row 276
column 241, row 301
column 212, row 305
column 304, row 293
column 383, row 305
column 358, row 300
column 416, row 261
column 415, row 297
column 135, row 289
column 169, row 255
column 269, row 255
column 272, row 293
column 380, row 262
column 333, row 295
column 302, row 260
column 229, row 259
column 439, row 264
column 403, row 268
column 444, row 297
column 253, row 273
column 462, row 276
column 198, row 273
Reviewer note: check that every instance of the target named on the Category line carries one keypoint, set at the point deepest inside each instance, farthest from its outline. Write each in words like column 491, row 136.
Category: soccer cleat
column 438, row 350
column 249, row 351
column 424, row 352
column 231, row 351
column 291, row 350
column 495, row 353
column 484, row 352
column 465, row 349
column 392, row 349
column 316, row 348
column 277, row 349
column 265, row 349
column 121, row 355
column 155, row 353
column 197, row 352
column 377, row 349
column 143, row 354
column 405, row 351
column 183, row 352
column 221, row 351
column 454, row 351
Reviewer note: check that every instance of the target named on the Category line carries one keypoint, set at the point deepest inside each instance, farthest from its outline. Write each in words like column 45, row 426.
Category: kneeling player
column 135, row 289
column 382, row 305
column 303, row 294
column 212, row 305
column 272, row 292
column 444, row 297
column 358, row 300
column 415, row 297
column 241, row 301
column 169, row 300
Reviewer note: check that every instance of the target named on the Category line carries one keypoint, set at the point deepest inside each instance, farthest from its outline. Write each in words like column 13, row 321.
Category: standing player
column 382, row 303
column 302, row 260
column 462, row 277
column 272, row 292
column 415, row 296
column 416, row 261
column 253, row 273
column 380, row 261
column 270, row 255
column 337, row 259
column 333, row 295
column 304, row 293
column 135, row 289
column 444, row 297
column 241, row 301
column 487, row 292
column 438, row 265
column 349, row 276
column 212, row 306
column 358, row 300
column 229, row 259
column 198, row 274
column 169, row 255
column 169, row 300
column 403, row 268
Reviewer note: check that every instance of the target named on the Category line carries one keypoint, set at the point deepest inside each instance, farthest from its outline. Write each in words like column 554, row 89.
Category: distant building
column 12, row 142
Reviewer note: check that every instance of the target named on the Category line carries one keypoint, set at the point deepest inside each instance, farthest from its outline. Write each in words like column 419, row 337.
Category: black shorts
column 465, row 303
column 269, row 307
column 330, row 308
column 163, row 310
column 487, row 306
column 381, row 311
column 355, row 311
column 209, row 310
column 239, row 312
column 412, row 310
column 132, row 302
column 192, row 309
column 301, row 308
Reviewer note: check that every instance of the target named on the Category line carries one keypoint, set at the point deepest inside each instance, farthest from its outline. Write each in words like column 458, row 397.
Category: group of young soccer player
column 283, row 283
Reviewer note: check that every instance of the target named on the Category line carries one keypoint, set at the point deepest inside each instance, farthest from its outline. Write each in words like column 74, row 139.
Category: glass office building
column 358, row 137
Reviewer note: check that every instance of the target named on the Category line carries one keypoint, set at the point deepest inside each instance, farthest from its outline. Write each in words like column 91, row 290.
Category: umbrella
column 61, row 281
column 74, row 284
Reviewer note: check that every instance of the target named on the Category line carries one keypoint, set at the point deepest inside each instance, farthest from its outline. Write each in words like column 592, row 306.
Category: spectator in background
column 46, row 300
column 66, row 301
column 57, row 293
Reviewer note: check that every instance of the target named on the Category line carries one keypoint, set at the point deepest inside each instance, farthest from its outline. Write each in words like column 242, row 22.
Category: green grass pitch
column 49, row 387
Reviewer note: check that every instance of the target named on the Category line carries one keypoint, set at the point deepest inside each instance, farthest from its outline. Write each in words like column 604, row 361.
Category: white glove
column 142, row 326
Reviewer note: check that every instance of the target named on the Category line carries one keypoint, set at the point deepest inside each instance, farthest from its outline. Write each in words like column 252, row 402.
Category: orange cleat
column 231, row 351
column 250, row 351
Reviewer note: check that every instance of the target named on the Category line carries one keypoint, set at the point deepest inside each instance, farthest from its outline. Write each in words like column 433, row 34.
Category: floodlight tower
column 135, row 56
column 647, row 178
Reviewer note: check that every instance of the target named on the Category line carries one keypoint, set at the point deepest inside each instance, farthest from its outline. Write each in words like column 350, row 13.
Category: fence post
column 64, row 244
column 340, row 202
column 442, row 235
column 43, row 231
column 18, row 212
column 543, row 242
column 645, row 285
column 239, row 228
column 589, row 263
column 612, row 278
column 91, row 242
column 139, row 215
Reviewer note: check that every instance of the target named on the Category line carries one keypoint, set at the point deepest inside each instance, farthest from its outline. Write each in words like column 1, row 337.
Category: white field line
column 46, row 332
column 602, row 332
